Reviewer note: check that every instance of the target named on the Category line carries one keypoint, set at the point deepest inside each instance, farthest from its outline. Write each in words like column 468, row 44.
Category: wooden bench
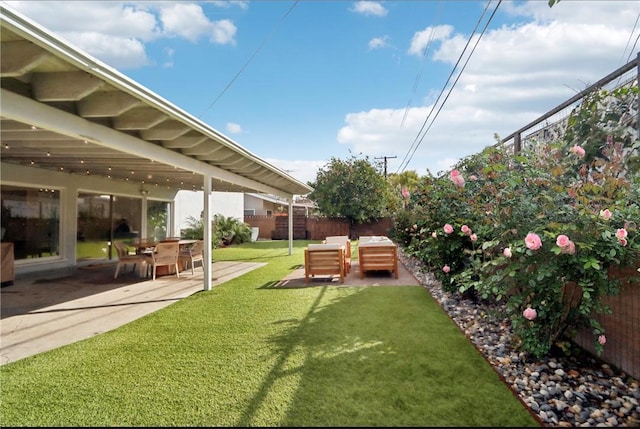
column 377, row 256
column 324, row 259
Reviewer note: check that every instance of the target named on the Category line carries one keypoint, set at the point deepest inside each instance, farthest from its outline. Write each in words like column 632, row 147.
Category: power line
column 632, row 50
column 264, row 41
column 417, row 142
column 425, row 53
column 443, row 88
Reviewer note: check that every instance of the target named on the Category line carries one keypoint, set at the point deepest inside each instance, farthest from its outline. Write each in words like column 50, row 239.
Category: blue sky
column 297, row 83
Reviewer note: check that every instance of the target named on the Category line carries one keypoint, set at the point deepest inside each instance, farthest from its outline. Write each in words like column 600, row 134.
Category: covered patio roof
column 63, row 110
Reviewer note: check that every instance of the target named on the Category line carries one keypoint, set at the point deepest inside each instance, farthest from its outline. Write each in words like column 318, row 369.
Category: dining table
column 145, row 247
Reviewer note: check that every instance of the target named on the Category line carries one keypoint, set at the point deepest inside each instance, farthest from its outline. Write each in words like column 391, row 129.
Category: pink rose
column 446, row 269
column 465, row 229
column 533, row 242
column 473, row 237
column 605, row 214
column 458, row 181
column 621, row 233
column 530, row 313
column 473, row 177
column 578, row 150
column 456, row 178
column 602, row 339
column 405, row 193
column 415, row 226
column 507, row 252
column 562, row 241
column 569, row 248
column 622, row 241
column 448, row 229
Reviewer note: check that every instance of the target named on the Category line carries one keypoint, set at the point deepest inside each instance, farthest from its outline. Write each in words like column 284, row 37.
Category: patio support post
column 291, row 225
column 206, row 216
column 142, row 235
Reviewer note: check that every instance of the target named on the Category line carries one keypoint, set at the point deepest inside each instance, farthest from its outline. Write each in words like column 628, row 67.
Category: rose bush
column 539, row 230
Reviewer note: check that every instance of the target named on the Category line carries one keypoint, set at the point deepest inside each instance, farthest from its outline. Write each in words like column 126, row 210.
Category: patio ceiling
column 65, row 111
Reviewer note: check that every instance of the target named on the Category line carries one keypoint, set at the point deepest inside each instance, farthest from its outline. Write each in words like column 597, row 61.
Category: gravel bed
column 560, row 391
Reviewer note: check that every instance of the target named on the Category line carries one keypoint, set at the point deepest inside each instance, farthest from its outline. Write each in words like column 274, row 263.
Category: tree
column 354, row 189
column 402, row 186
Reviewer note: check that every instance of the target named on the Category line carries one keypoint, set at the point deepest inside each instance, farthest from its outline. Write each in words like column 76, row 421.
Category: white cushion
column 328, row 246
column 377, row 243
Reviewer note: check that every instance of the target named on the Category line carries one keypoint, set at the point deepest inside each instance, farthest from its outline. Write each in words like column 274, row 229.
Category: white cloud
column 188, row 20
column 378, row 42
column 234, row 128
column 366, row 7
column 303, row 171
column 223, row 32
column 227, row 4
column 422, row 39
column 116, row 32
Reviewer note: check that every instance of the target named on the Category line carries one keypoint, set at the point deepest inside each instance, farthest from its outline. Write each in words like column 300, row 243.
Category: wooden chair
column 124, row 259
column 164, row 255
column 344, row 241
column 192, row 255
column 324, row 259
column 377, row 255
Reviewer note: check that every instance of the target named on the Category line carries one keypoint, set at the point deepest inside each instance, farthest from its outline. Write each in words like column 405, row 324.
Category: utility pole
column 385, row 163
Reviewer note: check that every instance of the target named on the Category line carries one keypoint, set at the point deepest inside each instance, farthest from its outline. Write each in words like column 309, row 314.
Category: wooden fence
column 313, row 228
column 622, row 327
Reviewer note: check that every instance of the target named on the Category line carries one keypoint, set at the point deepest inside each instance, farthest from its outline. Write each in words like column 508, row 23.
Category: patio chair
column 344, row 241
column 324, row 259
column 377, row 255
column 124, row 259
column 164, row 255
column 188, row 257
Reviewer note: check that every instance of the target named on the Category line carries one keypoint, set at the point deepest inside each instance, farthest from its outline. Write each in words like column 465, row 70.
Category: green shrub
column 225, row 230
column 539, row 230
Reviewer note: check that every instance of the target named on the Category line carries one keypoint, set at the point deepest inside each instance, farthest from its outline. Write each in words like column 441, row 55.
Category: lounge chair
column 324, row 259
column 344, row 241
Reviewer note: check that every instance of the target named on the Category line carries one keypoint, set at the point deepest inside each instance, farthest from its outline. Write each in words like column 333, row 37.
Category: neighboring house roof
column 274, row 199
column 64, row 110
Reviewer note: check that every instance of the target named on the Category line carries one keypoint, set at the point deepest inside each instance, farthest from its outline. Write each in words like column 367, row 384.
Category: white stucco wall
column 190, row 204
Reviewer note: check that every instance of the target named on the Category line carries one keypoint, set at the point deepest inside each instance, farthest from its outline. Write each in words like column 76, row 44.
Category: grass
column 248, row 354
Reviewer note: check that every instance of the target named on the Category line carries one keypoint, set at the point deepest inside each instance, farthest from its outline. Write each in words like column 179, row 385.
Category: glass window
column 31, row 220
column 103, row 218
column 157, row 219
column 94, row 222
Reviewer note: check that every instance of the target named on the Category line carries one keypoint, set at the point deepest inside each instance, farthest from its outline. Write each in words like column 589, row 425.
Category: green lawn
column 248, row 354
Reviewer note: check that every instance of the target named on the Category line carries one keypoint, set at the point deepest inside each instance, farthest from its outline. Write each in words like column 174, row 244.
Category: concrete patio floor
column 48, row 311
